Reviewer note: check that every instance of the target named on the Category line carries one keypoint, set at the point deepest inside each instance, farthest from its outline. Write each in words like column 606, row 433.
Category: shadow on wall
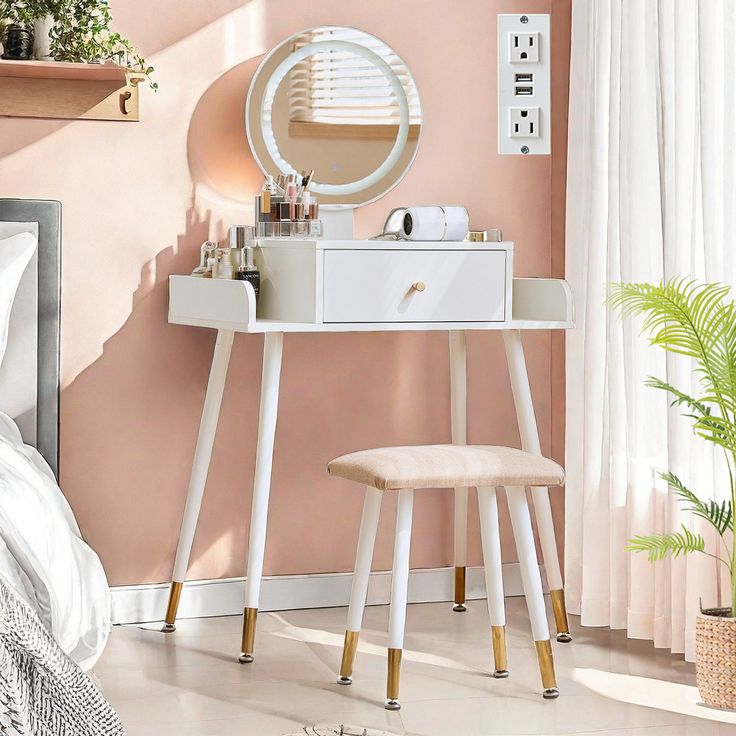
column 131, row 416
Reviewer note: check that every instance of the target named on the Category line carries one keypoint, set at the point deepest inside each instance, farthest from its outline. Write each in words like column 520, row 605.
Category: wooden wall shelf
column 57, row 89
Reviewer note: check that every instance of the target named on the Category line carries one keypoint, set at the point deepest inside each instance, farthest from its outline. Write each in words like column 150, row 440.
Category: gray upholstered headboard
column 29, row 374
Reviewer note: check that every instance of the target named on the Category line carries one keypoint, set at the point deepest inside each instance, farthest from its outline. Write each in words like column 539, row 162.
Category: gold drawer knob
column 419, row 286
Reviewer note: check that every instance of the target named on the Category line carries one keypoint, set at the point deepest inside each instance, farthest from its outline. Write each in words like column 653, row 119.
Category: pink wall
column 138, row 200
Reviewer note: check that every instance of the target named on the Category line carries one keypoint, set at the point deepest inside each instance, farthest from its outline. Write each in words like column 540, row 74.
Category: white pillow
column 15, row 254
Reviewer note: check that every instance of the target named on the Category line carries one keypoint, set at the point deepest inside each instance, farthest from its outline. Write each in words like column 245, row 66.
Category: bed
column 54, row 597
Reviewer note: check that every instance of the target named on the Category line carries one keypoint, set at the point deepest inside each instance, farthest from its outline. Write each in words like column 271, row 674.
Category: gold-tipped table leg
column 459, row 590
column 547, row 669
column 249, row 635
column 348, row 657
column 560, row 611
column 498, row 636
column 172, row 608
column 392, row 680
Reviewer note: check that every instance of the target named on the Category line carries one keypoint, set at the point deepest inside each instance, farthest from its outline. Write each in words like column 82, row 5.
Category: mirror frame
column 266, row 100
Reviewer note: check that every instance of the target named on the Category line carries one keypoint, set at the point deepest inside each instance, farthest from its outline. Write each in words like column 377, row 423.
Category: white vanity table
column 419, row 286
column 340, row 103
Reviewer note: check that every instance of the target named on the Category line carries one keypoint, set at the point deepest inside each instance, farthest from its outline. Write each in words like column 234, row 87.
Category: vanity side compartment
column 291, row 281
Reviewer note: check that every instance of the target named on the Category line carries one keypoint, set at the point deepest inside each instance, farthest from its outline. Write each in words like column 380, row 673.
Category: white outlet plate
column 523, row 84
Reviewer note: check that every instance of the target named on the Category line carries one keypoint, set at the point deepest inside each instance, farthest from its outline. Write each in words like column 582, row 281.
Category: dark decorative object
column 18, row 43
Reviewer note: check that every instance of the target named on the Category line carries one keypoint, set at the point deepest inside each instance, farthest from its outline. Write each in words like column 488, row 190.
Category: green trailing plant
column 697, row 321
column 81, row 32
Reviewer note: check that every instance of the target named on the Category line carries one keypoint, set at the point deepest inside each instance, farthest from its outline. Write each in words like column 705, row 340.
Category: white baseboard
column 138, row 603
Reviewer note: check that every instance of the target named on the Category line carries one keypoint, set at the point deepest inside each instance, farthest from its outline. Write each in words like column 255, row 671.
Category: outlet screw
column 525, row 149
column 524, row 19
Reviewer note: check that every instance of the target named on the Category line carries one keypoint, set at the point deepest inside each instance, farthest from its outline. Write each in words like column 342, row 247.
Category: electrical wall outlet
column 523, row 84
column 524, row 48
column 524, row 122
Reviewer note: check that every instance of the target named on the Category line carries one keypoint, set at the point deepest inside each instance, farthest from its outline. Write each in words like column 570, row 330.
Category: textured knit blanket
column 42, row 691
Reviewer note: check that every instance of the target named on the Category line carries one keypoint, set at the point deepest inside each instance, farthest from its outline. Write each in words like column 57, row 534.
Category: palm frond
column 681, row 316
column 680, row 398
column 697, row 321
column 719, row 515
column 659, row 546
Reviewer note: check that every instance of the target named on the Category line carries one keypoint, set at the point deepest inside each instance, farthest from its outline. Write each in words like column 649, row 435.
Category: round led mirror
column 340, row 102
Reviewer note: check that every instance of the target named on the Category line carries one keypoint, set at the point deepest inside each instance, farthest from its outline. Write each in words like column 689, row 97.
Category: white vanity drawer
column 379, row 285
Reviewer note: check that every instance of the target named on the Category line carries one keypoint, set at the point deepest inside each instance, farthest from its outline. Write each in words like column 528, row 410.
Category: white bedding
column 43, row 556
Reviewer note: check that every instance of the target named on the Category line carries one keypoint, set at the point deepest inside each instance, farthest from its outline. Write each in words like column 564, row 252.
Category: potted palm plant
column 698, row 321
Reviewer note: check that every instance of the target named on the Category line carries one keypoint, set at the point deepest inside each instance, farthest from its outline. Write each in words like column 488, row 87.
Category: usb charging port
column 523, row 91
column 527, row 77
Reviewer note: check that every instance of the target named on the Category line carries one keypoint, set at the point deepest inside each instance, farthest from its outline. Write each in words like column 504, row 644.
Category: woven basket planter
column 715, row 663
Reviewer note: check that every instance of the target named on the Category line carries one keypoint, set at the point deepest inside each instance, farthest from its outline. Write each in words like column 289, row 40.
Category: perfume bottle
column 249, row 272
column 224, row 265
column 207, row 250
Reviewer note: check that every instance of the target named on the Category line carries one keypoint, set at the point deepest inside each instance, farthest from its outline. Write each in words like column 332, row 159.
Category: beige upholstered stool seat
column 446, row 466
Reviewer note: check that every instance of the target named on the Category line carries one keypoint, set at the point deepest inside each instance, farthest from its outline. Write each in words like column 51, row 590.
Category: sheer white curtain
column 651, row 194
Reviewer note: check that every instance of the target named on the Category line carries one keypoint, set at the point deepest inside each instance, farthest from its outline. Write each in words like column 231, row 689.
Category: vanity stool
column 405, row 469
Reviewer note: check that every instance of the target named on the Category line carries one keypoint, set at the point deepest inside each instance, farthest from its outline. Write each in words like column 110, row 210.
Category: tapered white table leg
column 532, row 581
column 361, row 576
column 200, row 467
column 270, row 378
column 458, row 416
column 399, row 596
column 542, row 509
column 490, row 535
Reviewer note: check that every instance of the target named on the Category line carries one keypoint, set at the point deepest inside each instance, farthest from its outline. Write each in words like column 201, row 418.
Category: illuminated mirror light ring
column 287, row 65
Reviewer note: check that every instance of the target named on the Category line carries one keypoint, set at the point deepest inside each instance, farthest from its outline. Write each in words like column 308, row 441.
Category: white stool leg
column 491, row 541
column 200, row 467
column 270, row 377
column 458, row 416
column 399, row 596
column 532, row 582
column 361, row 576
column 543, row 511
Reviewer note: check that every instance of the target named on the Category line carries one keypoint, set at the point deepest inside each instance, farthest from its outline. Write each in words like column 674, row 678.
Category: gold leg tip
column 564, row 637
column 459, row 608
column 392, row 705
column 344, row 680
column 168, row 628
column 551, row 693
column 501, row 674
column 245, row 658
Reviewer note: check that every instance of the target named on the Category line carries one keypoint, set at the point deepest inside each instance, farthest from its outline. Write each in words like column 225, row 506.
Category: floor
column 190, row 684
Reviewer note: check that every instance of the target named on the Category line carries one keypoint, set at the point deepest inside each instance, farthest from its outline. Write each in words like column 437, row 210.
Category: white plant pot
column 41, row 40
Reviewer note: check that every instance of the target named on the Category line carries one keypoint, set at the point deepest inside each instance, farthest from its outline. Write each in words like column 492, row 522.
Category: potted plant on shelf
column 67, row 30
column 698, row 321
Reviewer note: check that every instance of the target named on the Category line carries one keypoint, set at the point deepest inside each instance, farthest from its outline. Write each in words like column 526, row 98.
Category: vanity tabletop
column 537, row 304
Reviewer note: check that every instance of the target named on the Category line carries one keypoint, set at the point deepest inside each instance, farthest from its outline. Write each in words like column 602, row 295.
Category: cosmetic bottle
column 206, row 251
column 267, row 191
column 313, row 209
column 211, row 268
column 248, row 271
column 291, row 199
column 224, row 266
column 239, row 236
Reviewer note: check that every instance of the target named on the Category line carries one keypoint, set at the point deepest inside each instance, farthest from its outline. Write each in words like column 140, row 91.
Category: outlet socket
column 524, row 48
column 524, row 120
